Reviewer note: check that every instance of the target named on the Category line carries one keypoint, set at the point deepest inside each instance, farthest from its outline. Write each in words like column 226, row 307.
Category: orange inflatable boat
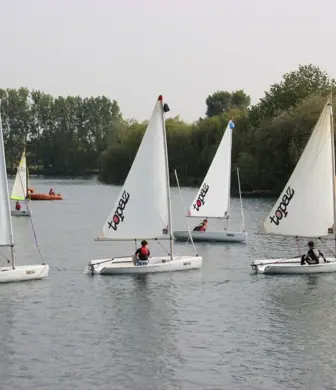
column 45, row 197
column 33, row 196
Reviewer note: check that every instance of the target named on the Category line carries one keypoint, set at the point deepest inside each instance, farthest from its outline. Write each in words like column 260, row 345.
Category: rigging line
column 162, row 246
column 32, row 224
column 185, row 217
column 298, row 244
column 4, row 257
column 325, row 244
column 241, row 201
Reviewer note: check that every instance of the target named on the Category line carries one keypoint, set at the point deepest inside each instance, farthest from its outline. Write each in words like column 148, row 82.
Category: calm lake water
column 221, row 327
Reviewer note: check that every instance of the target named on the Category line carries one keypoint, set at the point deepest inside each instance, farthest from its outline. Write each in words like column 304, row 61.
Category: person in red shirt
column 142, row 254
column 51, row 192
column 202, row 227
column 17, row 206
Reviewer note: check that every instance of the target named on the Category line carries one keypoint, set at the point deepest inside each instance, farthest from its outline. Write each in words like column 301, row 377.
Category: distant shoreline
column 94, row 174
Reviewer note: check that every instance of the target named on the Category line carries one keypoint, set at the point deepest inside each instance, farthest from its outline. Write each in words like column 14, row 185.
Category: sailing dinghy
column 143, row 208
column 306, row 207
column 12, row 273
column 213, row 197
column 19, row 191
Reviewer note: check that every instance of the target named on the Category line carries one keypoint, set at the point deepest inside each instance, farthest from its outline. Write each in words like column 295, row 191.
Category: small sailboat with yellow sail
column 19, row 191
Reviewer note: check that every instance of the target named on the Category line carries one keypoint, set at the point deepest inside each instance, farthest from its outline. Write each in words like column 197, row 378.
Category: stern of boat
column 23, row 273
column 95, row 267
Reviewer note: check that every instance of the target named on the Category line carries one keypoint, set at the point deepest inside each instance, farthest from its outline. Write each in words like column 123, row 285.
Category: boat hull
column 295, row 260
column 23, row 273
column 211, row 236
column 292, row 267
column 45, row 197
column 125, row 265
column 20, row 213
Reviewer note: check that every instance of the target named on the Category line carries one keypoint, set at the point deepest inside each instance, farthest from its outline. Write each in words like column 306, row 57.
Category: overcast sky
column 133, row 50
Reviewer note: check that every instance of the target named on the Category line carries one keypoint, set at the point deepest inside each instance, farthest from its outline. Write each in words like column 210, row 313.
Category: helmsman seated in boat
column 202, row 227
column 142, row 254
column 17, row 206
column 51, row 192
column 313, row 255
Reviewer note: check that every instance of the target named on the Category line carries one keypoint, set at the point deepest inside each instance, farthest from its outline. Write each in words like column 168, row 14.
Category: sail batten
column 141, row 208
column 305, row 207
column 213, row 197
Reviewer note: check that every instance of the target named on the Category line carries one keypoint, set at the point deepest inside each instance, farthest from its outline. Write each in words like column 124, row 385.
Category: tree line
column 62, row 135
column 76, row 136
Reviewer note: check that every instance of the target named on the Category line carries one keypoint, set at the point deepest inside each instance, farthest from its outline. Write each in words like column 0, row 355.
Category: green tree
column 294, row 87
column 217, row 103
column 240, row 100
column 278, row 144
column 222, row 101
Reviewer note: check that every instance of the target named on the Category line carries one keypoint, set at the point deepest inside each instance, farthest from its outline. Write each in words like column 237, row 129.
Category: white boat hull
column 124, row 265
column 22, row 273
column 211, row 236
column 292, row 267
column 20, row 213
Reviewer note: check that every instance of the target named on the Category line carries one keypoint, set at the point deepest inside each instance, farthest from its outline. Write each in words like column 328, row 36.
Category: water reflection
column 139, row 325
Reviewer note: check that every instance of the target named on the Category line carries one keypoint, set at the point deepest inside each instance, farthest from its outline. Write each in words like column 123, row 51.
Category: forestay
column 305, row 207
column 213, row 197
column 6, row 235
column 141, row 208
column 19, row 191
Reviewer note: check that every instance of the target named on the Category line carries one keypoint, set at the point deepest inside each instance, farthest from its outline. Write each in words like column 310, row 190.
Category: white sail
column 6, row 235
column 305, row 207
column 141, row 208
column 213, row 197
column 19, row 191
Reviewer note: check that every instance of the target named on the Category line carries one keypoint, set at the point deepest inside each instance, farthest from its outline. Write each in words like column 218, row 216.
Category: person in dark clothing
column 17, row 206
column 142, row 254
column 313, row 255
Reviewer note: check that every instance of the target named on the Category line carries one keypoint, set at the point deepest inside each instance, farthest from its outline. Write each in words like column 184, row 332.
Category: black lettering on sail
column 282, row 209
column 119, row 215
column 200, row 200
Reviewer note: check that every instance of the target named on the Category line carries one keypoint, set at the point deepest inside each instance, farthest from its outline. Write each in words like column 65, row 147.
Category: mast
column 229, row 184
column 333, row 162
column 27, row 198
column 164, row 109
column 2, row 151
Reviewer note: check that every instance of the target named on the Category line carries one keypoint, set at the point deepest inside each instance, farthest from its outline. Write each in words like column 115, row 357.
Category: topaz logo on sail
column 118, row 215
column 201, row 197
column 281, row 211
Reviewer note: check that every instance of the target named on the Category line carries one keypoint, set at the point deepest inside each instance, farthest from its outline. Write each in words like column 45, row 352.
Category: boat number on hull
column 200, row 201
column 281, row 211
column 118, row 215
column 186, row 263
column 30, row 271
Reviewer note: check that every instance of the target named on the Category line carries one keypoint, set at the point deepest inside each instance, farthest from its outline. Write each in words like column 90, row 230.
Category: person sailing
column 142, row 254
column 202, row 227
column 17, row 206
column 313, row 255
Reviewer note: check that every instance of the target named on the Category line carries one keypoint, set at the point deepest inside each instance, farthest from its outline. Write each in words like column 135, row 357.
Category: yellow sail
column 20, row 184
